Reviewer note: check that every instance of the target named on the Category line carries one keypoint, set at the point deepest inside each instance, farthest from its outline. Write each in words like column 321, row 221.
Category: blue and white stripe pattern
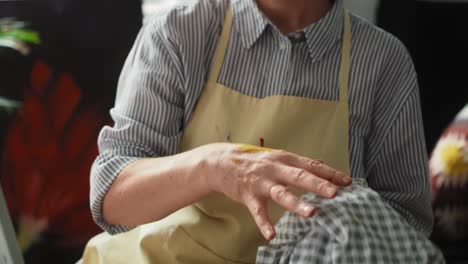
column 168, row 66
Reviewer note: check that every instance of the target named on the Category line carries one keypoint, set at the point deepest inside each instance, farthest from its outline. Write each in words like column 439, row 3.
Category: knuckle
column 257, row 211
column 256, row 168
column 253, row 177
column 280, row 154
column 255, row 183
column 250, row 172
column 316, row 163
column 255, row 180
column 322, row 186
column 247, row 178
column 299, row 175
column 246, row 183
column 279, row 192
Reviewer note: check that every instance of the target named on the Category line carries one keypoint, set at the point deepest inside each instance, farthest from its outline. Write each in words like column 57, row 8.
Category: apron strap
column 223, row 42
column 345, row 58
column 221, row 48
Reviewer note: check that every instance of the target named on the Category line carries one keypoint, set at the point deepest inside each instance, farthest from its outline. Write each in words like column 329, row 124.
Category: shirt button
column 283, row 46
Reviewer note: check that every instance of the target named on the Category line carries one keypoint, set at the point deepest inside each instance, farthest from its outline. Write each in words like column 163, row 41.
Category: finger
column 260, row 215
column 291, row 202
column 271, row 190
column 317, row 167
column 303, row 179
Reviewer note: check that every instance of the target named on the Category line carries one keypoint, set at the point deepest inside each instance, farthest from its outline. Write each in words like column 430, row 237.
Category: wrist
column 198, row 172
column 207, row 166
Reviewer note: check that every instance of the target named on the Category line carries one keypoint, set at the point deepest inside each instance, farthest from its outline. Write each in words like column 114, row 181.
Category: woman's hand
column 252, row 176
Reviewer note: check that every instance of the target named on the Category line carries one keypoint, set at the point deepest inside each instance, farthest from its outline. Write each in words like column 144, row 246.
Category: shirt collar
column 249, row 20
column 320, row 36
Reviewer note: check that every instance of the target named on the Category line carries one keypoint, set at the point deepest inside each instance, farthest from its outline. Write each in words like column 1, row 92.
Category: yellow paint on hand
column 236, row 161
column 246, row 148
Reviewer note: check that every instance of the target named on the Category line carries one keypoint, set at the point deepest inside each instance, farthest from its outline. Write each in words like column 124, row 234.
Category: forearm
column 128, row 186
column 150, row 189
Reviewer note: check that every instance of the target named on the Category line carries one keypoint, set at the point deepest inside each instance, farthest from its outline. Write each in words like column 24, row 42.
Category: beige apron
column 217, row 230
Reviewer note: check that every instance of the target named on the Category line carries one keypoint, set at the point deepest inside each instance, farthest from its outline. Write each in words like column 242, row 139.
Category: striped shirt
column 168, row 65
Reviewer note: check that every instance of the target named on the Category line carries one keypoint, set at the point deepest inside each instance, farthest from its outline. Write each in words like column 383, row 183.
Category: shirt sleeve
column 397, row 163
column 147, row 115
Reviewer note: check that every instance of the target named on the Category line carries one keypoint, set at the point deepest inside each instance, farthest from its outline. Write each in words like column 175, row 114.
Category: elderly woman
column 227, row 111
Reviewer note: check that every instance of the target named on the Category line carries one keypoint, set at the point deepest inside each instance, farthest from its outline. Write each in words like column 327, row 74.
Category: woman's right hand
column 252, row 176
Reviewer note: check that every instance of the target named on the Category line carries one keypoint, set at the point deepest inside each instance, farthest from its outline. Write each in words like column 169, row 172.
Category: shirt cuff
column 103, row 174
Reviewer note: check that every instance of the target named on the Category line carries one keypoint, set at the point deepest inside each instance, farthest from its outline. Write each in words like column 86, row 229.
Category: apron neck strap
column 221, row 47
column 223, row 42
column 345, row 58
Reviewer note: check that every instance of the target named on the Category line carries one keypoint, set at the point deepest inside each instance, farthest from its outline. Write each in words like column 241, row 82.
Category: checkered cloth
column 358, row 226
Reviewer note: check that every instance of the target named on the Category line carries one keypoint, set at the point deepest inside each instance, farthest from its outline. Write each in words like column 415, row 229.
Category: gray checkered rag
column 358, row 226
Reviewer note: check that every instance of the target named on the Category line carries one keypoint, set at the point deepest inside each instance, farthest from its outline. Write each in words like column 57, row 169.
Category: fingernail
column 331, row 191
column 268, row 232
column 307, row 209
column 340, row 175
column 347, row 179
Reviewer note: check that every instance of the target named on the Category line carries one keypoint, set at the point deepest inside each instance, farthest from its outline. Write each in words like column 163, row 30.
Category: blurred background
column 59, row 65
